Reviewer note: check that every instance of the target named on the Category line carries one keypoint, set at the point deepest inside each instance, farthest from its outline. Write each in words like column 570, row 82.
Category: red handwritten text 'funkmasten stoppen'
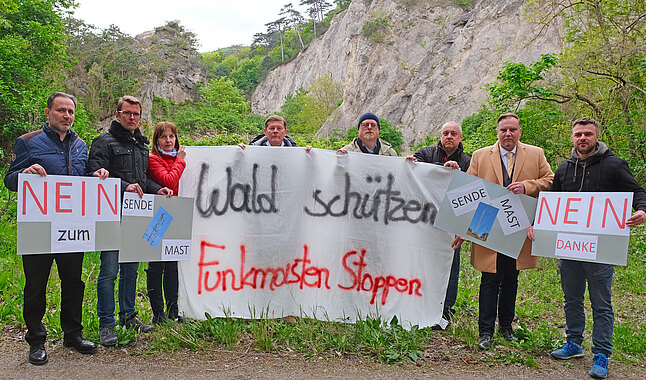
column 299, row 272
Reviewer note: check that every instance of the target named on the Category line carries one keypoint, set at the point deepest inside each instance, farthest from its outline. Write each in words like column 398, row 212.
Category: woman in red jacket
column 165, row 166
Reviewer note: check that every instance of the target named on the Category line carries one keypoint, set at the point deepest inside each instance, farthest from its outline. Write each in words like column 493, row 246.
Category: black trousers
column 37, row 268
column 498, row 293
column 162, row 275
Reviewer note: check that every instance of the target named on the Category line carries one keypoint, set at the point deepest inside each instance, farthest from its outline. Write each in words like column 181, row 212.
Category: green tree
column 599, row 73
column 292, row 110
column 32, row 59
column 105, row 63
column 323, row 97
column 248, row 74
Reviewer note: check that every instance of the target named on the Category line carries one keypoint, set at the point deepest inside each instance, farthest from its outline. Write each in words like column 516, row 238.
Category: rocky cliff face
column 174, row 70
column 429, row 68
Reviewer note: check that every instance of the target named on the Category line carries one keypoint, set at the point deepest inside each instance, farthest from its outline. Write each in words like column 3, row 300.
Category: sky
column 217, row 23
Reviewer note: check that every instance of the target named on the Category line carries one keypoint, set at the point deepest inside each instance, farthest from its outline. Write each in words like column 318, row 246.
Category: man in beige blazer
column 523, row 169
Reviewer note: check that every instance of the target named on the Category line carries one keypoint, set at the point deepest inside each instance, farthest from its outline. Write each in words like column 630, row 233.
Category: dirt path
column 131, row 362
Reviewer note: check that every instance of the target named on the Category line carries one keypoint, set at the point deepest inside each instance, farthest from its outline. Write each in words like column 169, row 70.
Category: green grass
column 539, row 313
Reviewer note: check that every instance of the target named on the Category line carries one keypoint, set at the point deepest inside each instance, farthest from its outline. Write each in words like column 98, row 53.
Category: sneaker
column 485, row 342
column 599, row 368
column 134, row 323
column 568, row 351
column 107, row 337
column 508, row 334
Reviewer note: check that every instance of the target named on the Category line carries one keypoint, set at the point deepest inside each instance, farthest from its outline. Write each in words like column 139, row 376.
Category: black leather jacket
column 124, row 155
column 436, row 154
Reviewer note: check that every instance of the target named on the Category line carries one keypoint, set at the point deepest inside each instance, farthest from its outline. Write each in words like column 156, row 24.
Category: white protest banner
column 279, row 231
column 67, row 213
column 495, row 218
column 586, row 226
column 155, row 228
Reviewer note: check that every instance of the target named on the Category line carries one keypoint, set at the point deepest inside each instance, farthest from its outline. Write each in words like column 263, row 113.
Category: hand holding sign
column 135, row 188
column 636, row 219
column 35, row 169
column 516, row 188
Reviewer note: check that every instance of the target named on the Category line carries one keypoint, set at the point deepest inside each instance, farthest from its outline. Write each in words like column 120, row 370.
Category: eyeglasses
column 128, row 114
column 368, row 125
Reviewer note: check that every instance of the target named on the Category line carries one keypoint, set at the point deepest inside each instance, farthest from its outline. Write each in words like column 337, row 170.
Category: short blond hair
column 128, row 99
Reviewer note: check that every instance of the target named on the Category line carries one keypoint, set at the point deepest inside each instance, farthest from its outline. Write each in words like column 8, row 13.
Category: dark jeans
column 574, row 275
column 452, row 288
column 37, row 268
column 162, row 275
column 498, row 293
column 105, row 304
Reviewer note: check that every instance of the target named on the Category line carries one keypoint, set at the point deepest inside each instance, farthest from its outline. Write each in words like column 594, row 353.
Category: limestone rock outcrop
column 430, row 66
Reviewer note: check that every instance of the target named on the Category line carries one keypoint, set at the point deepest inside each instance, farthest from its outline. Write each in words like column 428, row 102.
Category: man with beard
column 592, row 168
column 368, row 140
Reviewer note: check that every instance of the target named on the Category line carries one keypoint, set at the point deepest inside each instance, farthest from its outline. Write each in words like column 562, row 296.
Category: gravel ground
column 446, row 361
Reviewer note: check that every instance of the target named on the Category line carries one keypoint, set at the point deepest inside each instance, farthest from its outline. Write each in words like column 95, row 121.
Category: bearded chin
column 586, row 151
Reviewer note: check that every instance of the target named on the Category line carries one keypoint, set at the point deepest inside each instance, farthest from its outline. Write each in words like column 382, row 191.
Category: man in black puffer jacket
column 592, row 168
column 123, row 150
column 448, row 152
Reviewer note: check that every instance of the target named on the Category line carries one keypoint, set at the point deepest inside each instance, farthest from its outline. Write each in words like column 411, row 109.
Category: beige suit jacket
column 532, row 170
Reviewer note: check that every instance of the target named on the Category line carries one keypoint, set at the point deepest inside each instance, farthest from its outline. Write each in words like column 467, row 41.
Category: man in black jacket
column 448, row 152
column 592, row 168
column 123, row 150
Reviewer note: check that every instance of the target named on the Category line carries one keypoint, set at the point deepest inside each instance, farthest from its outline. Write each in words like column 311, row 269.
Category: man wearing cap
column 368, row 140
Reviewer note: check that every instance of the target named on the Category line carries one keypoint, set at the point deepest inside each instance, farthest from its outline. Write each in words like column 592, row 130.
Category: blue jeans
column 574, row 275
column 105, row 288
column 452, row 288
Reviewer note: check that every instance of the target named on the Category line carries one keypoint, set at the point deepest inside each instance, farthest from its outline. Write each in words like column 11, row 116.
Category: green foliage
column 214, row 139
column 306, row 111
column 106, row 64
column 599, row 73
column 32, row 57
column 342, row 4
column 223, row 109
column 376, row 27
column 517, row 82
column 292, row 109
column 324, row 96
column 248, row 74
